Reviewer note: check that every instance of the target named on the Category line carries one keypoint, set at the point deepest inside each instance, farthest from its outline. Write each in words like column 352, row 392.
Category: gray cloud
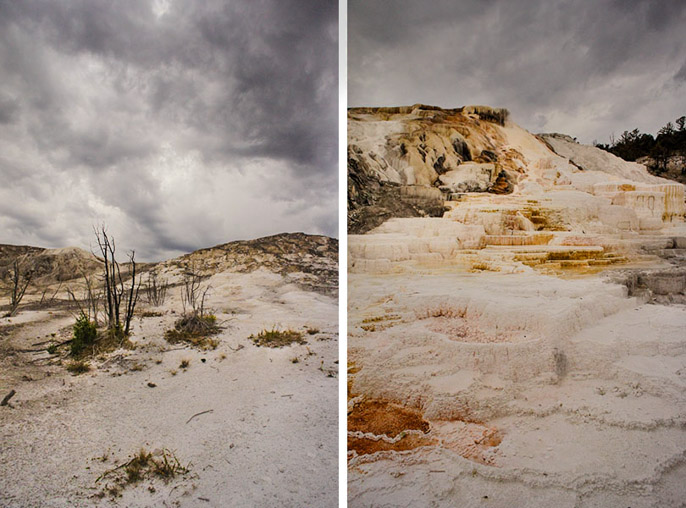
column 576, row 66
column 180, row 124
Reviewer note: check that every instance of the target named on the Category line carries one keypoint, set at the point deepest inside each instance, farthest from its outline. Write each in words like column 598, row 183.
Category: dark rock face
column 462, row 149
column 438, row 165
column 504, row 183
column 372, row 202
column 488, row 156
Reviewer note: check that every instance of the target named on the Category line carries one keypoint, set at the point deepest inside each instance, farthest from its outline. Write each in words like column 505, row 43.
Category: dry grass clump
column 143, row 465
column 77, row 367
column 378, row 323
column 195, row 329
column 377, row 319
column 277, row 338
column 443, row 310
column 151, row 313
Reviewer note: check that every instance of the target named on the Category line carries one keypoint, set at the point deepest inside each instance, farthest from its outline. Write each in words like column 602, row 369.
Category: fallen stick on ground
column 7, row 398
column 43, row 342
column 201, row 413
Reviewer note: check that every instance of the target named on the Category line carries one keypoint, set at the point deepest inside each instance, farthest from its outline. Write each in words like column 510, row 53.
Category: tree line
column 670, row 142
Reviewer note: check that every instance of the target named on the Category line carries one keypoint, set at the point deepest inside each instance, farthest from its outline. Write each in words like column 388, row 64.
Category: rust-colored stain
column 383, row 417
column 472, row 440
column 364, row 446
column 475, row 443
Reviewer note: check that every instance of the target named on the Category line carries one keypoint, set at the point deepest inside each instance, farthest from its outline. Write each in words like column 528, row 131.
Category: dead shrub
column 143, row 465
column 195, row 329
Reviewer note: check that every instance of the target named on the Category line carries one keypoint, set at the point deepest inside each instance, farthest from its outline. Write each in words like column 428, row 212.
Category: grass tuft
column 277, row 338
column 195, row 329
column 77, row 367
column 143, row 465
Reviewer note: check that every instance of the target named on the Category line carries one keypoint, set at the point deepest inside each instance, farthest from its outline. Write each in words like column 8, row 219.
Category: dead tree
column 89, row 303
column 20, row 281
column 193, row 294
column 52, row 298
column 116, row 291
column 156, row 289
column 133, row 291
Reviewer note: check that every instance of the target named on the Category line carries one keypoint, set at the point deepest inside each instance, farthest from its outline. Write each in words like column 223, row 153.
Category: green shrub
column 85, row 333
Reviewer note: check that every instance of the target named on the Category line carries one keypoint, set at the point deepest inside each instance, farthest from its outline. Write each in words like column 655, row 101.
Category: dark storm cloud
column 587, row 68
column 183, row 100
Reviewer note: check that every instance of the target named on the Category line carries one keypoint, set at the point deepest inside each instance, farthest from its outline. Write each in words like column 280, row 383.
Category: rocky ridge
column 310, row 261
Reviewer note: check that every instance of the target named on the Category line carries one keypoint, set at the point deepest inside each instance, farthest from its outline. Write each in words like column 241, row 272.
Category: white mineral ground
column 267, row 435
column 540, row 378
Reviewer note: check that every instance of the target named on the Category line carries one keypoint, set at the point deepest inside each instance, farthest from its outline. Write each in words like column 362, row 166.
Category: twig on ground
column 200, row 413
column 43, row 342
column 7, row 398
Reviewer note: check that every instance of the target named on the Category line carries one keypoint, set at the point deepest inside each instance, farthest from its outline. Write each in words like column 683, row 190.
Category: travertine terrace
column 524, row 345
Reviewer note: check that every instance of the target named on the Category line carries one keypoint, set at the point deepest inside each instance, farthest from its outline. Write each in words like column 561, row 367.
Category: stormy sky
column 179, row 124
column 586, row 68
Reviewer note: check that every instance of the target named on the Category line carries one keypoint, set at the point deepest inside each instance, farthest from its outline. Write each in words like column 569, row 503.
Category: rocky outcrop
column 310, row 261
column 372, row 200
column 492, row 174
column 48, row 266
column 454, row 150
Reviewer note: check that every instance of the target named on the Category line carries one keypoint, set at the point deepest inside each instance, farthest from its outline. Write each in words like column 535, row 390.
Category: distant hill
column 48, row 265
column 314, row 257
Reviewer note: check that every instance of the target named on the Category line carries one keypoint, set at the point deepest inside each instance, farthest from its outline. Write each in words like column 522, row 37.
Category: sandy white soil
column 268, row 438
column 585, row 386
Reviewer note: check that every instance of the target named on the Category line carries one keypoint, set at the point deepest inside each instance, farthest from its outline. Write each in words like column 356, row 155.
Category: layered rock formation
column 470, row 155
